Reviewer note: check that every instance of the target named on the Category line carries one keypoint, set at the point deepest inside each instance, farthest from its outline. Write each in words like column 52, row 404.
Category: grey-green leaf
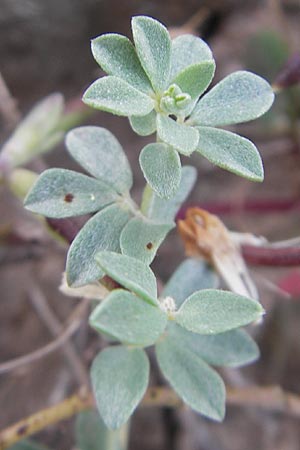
column 101, row 232
column 144, row 126
column 188, row 50
column 92, row 434
column 100, row 153
column 126, row 317
column 115, row 95
column 194, row 381
column 191, row 275
column 231, row 152
column 182, row 137
column 240, row 97
column 233, row 348
column 141, row 238
column 119, row 379
column 162, row 168
column 212, row 311
column 163, row 210
column 153, row 46
column 117, row 56
column 63, row 193
column 130, row 273
column 195, row 79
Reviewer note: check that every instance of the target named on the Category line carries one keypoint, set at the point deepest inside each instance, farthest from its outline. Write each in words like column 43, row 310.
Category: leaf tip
column 86, row 97
column 259, row 175
column 219, row 415
column 70, row 280
column 99, row 257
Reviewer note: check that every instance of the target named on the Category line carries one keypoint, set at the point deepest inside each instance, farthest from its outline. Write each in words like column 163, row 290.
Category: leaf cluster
column 188, row 335
column 159, row 84
column 118, row 225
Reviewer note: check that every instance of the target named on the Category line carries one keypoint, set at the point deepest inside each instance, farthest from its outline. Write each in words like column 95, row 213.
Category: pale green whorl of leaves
column 171, row 75
column 184, row 350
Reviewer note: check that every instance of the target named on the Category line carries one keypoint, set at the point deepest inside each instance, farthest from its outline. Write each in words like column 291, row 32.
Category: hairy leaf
column 212, row 311
column 153, row 46
column 63, row 193
column 194, row 381
column 195, row 79
column 130, row 273
column 163, row 210
column 100, row 153
column 141, row 238
column 126, row 317
column 117, row 56
column 188, row 50
column 191, row 275
column 231, row 152
column 240, row 97
column 101, row 232
column 182, row 137
column 144, row 126
column 119, row 379
column 162, row 169
column 233, row 348
column 115, row 95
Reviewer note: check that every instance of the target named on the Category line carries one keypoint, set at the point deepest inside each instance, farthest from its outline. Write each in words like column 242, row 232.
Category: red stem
column 67, row 228
column 253, row 206
column 266, row 256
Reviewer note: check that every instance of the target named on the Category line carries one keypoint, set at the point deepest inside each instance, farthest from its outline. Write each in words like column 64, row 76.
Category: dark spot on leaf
column 22, row 430
column 149, row 245
column 69, row 198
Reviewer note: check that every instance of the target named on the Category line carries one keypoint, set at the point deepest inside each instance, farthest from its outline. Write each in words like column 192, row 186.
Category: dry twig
column 46, row 314
column 74, row 323
column 268, row 398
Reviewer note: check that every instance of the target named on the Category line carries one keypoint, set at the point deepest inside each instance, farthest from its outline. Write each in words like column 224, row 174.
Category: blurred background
column 45, row 48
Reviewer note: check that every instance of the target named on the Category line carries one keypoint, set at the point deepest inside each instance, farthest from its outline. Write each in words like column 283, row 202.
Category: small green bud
column 173, row 90
column 167, row 104
column 182, row 101
column 174, row 100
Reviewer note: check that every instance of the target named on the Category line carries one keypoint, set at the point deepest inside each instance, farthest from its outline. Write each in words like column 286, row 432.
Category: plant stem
column 266, row 256
column 55, row 327
column 267, row 398
column 252, row 206
column 32, row 424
